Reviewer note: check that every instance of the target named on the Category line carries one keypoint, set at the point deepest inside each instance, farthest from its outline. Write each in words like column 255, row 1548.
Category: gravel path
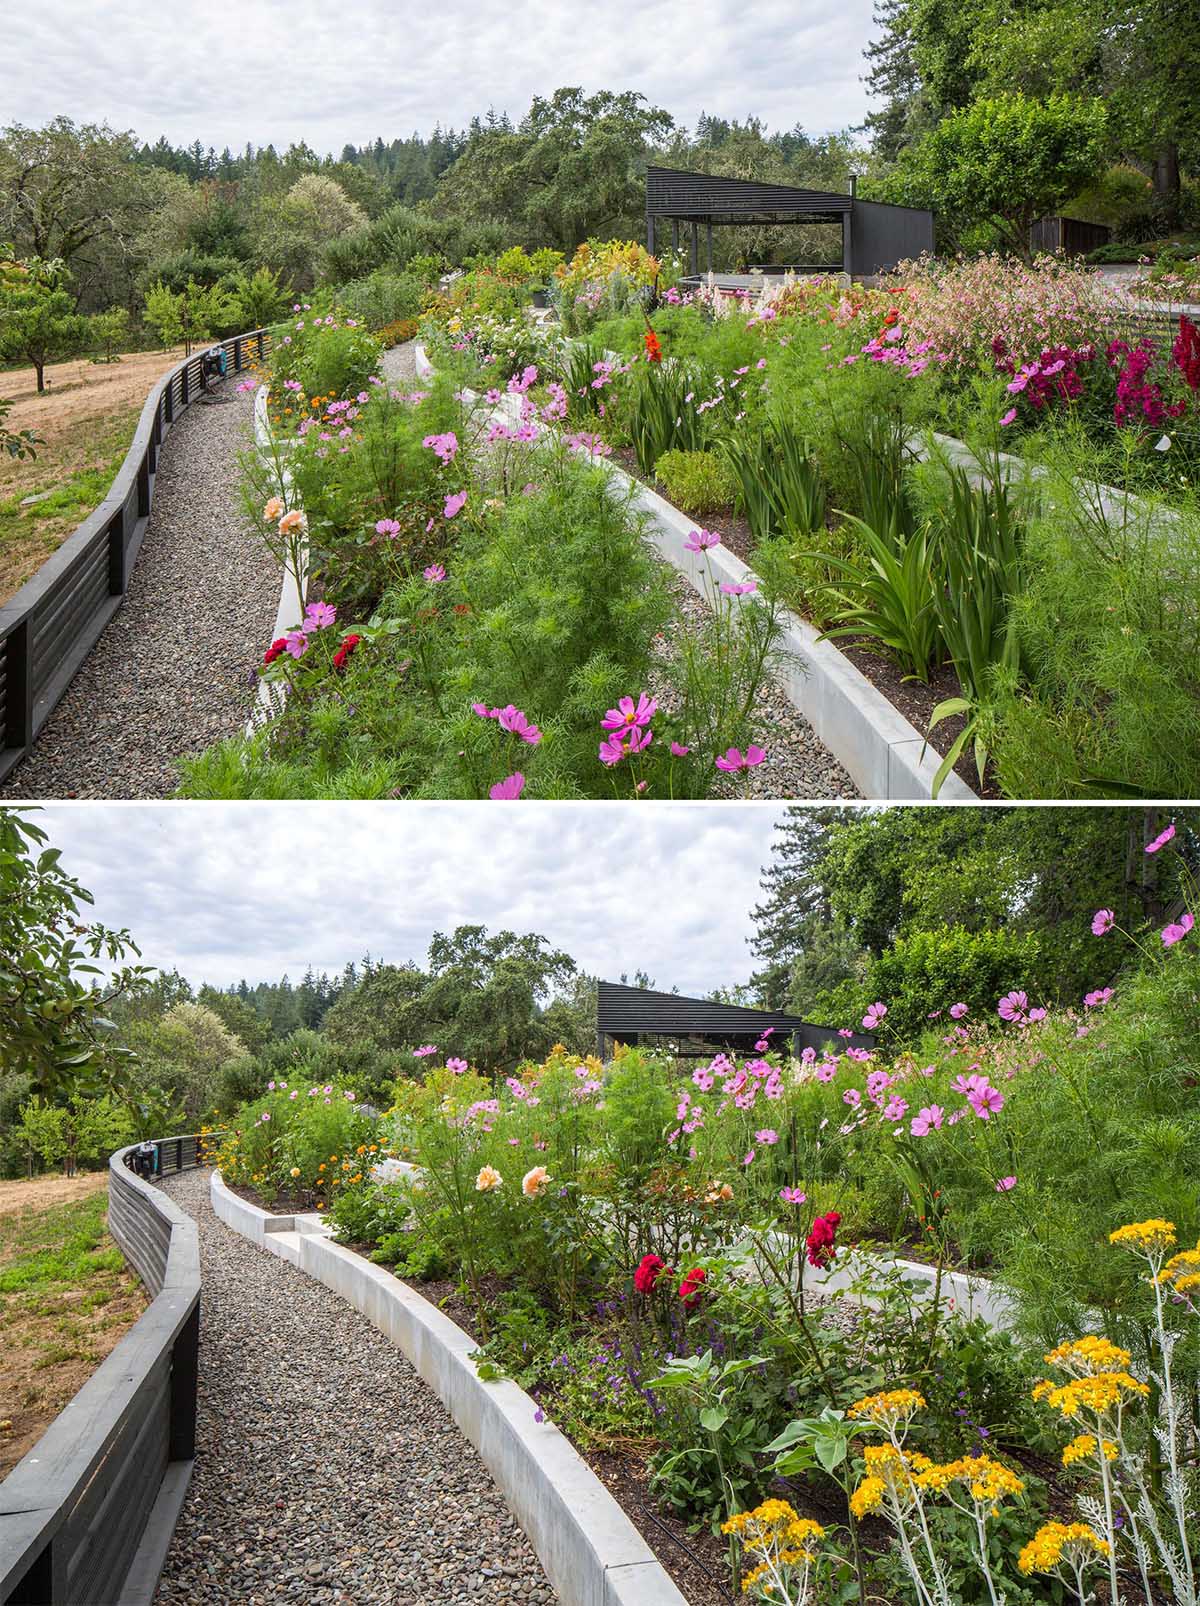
column 326, row 1471
column 399, row 364
column 173, row 672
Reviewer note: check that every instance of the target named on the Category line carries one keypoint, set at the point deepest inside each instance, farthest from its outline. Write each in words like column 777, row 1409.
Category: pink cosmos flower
column 1102, row 921
column 442, row 446
column 296, row 642
column 1012, row 1006
column 454, row 504
column 628, row 713
column 985, row 1101
column 875, row 1013
column 435, row 574
column 1005, row 1184
column 679, row 751
column 620, row 745
column 510, row 787
column 1161, row 840
column 1101, row 996
column 929, row 1120
column 318, row 615
column 957, row 1011
column 1009, row 415
column 425, row 1050
column 513, row 720
column 456, row 1065
column 388, row 527
column 743, row 590
column 699, row 540
column 795, row 1196
column 895, row 1109
column 1172, row 933
column 733, row 760
column 768, row 1135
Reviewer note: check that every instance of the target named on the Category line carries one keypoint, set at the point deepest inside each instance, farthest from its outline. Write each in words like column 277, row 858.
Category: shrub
column 697, row 482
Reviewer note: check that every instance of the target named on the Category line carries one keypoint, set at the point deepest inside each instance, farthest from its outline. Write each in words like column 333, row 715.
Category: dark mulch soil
column 286, row 1204
column 913, row 699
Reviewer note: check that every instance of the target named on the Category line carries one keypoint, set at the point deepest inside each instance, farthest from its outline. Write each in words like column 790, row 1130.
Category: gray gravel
column 399, row 364
column 326, row 1471
column 173, row 672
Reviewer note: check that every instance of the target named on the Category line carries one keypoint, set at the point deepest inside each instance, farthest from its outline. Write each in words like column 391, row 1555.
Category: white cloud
column 222, row 891
column 267, row 71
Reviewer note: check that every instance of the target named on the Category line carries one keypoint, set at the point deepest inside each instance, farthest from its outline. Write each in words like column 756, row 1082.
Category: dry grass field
column 66, row 1298
column 86, row 419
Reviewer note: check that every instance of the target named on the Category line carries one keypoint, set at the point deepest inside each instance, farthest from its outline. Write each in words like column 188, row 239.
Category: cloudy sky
column 223, row 891
column 269, row 71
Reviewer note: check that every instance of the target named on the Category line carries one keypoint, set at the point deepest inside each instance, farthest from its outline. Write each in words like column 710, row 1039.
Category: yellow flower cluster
column 1085, row 1446
column 889, row 1407
column 1075, row 1542
column 988, row 1480
column 1144, row 1237
column 1097, row 1394
column 1089, row 1355
column 888, row 1469
column 1182, row 1271
column 772, row 1522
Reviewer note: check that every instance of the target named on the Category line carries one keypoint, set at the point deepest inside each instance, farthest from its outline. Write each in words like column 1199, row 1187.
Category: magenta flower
column 435, row 574
column 510, row 787
column 957, row 1011
column 442, row 446
column 929, row 1120
column 768, row 1135
column 1102, row 921
column 318, row 615
column 679, row 751
column 743, row 590
column 456, row 1065
column 455, row 504
column 794, row 1196
column 1005, row 1184
column 425, row 1050
column 388, row 527
column 1172, row 933
column 985, row 1101
column 1101, row 996
column 296, row 642
column 875, row 1013
column 1161, row 840
column 733, row 760
column 628, row 713
column 513, row 720
column 1009, row 415
column 618, row 746
column 699, row 540
column 1012, row 1006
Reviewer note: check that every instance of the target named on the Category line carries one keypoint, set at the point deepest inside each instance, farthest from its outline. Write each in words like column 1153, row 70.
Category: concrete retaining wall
column 592, row 1553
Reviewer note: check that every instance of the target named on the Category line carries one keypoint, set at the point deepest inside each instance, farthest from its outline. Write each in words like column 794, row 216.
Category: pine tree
column 794, row 896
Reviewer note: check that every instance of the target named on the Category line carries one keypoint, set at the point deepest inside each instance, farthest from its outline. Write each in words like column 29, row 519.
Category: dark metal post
column 847, row 244
column 650, row 233
column 237, row 355
column 260, row 345
column 18, row 680
column 695, row 253
column 708, row 243
column 183, row 386
column 45, row 1583
column 185, row 1365
column 116, row 548
column 169, row 402
column 179, row 1154
column 143, row 487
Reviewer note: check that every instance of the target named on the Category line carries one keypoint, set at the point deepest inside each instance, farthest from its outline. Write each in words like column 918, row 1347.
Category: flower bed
column 687, row 1267
column 1041, row 603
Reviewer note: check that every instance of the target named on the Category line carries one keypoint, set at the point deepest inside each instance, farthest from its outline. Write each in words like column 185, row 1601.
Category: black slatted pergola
column 875, row 236
column 693, row 1027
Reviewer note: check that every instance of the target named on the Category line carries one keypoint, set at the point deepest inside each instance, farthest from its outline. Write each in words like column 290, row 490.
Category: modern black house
column 875, row 236
column 694, row 1028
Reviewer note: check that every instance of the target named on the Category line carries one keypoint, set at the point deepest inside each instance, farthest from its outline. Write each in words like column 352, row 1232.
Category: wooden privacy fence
column 86, row 1517
column 55, row 619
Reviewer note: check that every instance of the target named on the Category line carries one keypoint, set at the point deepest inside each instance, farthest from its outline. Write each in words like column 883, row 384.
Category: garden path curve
column 174, row 670
column 326, row 1471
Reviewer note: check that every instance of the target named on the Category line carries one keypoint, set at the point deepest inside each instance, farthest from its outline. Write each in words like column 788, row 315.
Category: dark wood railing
column 55, row 619
column 86, row 1517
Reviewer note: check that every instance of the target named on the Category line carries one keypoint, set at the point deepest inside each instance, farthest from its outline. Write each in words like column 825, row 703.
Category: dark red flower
column 689, row 1288
column 650, row 1269
column 343, row 653
column 274, row 650
column 820, row 1241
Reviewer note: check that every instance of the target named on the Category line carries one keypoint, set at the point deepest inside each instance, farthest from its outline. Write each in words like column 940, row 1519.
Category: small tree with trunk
column 38, row 321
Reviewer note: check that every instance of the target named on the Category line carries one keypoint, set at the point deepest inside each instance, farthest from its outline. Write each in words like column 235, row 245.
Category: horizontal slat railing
column 48, row 628
column 75, row 1511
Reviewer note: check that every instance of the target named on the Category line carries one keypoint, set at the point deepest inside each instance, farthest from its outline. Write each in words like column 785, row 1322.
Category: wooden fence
column 55, row 619
column 86, row 1517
